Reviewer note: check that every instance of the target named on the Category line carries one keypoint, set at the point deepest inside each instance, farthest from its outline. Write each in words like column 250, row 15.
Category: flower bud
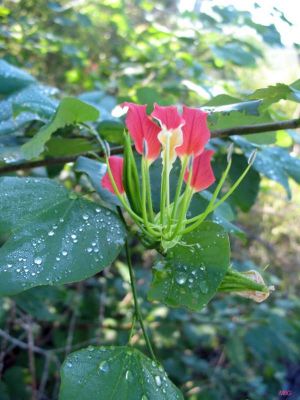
column 249, row 284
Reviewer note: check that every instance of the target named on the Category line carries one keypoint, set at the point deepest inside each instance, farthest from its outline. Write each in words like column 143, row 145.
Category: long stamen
column 216, row 205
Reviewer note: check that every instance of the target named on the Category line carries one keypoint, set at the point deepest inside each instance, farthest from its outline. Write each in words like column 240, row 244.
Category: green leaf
column 272, row 94
column 52, row 237
column 245, row 195
column 273, row 162
column 13, row 78
column 236, row 52
column 193, row 269
column 226, row 104
column 58, row 146
column 223, row 215
column 69, row 112
column 114, row 373
column 112, row 131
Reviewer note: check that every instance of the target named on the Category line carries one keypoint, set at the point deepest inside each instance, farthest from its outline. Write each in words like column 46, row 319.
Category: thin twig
column 22, row 345
column 102, row 302
column 30, row 340
column 44, row 378
column 258, row 128
column 219, row 133
column 72, row 324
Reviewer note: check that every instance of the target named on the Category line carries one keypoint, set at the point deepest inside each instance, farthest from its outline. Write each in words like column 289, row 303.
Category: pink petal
column 203, row 175
column 142, row 128
column 195, row 132
column 168, row 117
column 116, row 165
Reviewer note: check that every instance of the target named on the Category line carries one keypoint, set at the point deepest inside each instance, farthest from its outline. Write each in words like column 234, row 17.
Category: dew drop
column 85, row 217
column 157, row 380
column 180, row 279
column 64, row 253
column 129, row 376
column 51, row 233
column 38, row 261
column 103, row 366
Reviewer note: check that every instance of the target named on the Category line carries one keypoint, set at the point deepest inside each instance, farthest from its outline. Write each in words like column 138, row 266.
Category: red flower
column 195, row 132
column 202, row 175
column 116, row 165
column 142, row 129
column 168, row 117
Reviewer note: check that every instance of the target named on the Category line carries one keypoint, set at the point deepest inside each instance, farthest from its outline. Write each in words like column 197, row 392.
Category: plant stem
column 187, row 196
column 148, row 189
column 132, row 328
column 136, row 304
column 179, row 186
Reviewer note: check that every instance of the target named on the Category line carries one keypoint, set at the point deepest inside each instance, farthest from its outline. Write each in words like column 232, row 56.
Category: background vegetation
column 150, row 51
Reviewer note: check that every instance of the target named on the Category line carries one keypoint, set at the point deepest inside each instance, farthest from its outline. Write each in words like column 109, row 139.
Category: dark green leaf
column 115, row 373
column 274, row 162
column 193, row 269
column 13, row 78
column 53, row 237
column 112, row 131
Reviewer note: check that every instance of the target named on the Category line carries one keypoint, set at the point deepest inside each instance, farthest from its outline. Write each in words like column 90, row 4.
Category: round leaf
column 114, row 373
column 53, row 237
column 194, row 268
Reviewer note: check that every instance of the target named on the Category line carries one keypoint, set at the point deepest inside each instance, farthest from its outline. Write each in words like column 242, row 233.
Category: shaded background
column 168, row 52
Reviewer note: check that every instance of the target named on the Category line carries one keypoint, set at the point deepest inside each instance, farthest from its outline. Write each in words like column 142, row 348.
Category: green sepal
column 235, row 281
column 131, row 178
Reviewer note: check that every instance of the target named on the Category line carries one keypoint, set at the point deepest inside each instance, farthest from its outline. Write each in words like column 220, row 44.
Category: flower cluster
column 168, row 134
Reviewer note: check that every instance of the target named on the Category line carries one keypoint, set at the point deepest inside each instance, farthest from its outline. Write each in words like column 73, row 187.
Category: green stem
column 148, row 189
column 164, row 191
column 179, row 186
column 132, row 328
column 144, row 198
column 136, row 304
column 120, row 196
column 188, row 194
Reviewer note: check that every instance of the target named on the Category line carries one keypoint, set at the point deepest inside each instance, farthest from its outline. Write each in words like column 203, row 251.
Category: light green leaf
column 114, row 373
column 52, row 237
column 70, row 111
column 193, row 269
column 58, row 146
